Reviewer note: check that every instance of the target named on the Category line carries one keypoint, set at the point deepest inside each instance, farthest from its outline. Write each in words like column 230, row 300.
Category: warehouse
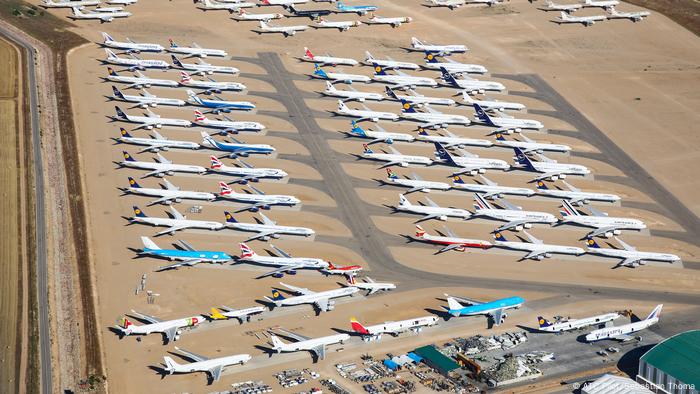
column 436, row 360
column 672, row 366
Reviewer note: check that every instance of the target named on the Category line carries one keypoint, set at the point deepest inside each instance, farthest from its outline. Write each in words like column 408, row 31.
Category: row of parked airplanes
column 609, row 5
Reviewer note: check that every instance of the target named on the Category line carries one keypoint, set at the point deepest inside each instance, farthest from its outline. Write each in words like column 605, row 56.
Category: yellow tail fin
column 216, row 315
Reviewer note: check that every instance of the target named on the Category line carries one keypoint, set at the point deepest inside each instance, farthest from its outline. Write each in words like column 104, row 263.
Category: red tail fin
column 358, row 327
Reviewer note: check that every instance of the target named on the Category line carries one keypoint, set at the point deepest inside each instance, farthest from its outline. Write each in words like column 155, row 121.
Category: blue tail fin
column 120, row 113
column 356, row 129
column 592, row 243
column 127, row 156
column 457, row 179
column 500, row 137
column 133, row 183
column 430, row 57
column 481, row 114
column 124, row 133
column 367, row 149
column 543, row 322
column 442, row 153
column 390, row 93
column 138, row 212
column 378, row 70
column 277, row 296
column 541, row 185
column 117, row 93
column 407, row 107
column 176, row 61
column 422, row 131
column 499, row 237
column 229, row 217
column 318, row 71
column 111, row 72
column 522, row 159
column 449, row 78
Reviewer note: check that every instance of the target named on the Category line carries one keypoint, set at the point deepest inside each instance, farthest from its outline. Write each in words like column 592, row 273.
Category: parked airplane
column 431, row 210
column 415, row 183
column 491, row 104
column 167, row 195
column 467, row 162
column 103, row 9
column 547, row 168
column 607, row 4
column 537, row 250
column 104, row 17
column 575, row 195
column 219, row 105
column 574, row 324
column 286, row 263
column 394, row 22
column 208, row 5
column 394, row 158
column 338, row 77
column 393, row 328
column 122, row 2
column 451, row 241
column 211, row 366
column 568, row 8
column 400, row 80
column 69, row 3
column 630, row 256
column 244, row 16
column 257, row 200
column 194, row 50
column 449, row 140
column 378, row 136
column 171, row 329
column 138, row 80
column 144, row 100
column 317, row 346
column 350, row 95
column 128, row 45
column 210, row 86
column 283, row 3
column 235, row 148
column 417, row 98
column 225, row 313
column 490, row 189
column 265, row 228
column 134, row 63
column 326, row 60
column 585, row 20
column 469, row 84
column 227, row 125
column 150, row 120
column 202, row 67
column 286, row 30
column 451, row 4
column 154, row 144
column 313, row 14
column 527, row 145
column 246, row 172
column 621, row 333
column 432, row 118
column 496, row 310
column 322, row 300
column 419, row 46
column 340, row 25
column 184, row 254
column 175, row 223
column 388, row 63
column 516, row 218
column 160, row 167
column 360, row 10
column 605, row 226
column 369, row 285
column 364, row 114
column 633, row 16
column 453, row 67
column 505, row 124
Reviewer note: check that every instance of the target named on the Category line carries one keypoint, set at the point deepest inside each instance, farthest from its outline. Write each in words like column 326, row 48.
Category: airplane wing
column 322, row 304
column 629, row 262
column 170, row 333
column 464, row 300
column 596, row 212
column 261, row 235
column 464, row 153
column 602, row 230
column 187, row 246
column 155, row 173
column 374, row 141
column 509, row 206
column 279, row 270
column 431, row 202
column 414, row 189
column 547, row 175
column 148, row 318
column 390, row 163
column 177, row 215
column 300, row 290
column 449, row 247
column 623, row 337
column 466, row 169
column 172, row 229
column 319, row 351
column 394, row 151
column 532, row 238
column 428, row 217
column 626, row 245
column 282, row 252
column 147, row 124
column 512, row 224
column 534, row 254
column 571, row 187
column 488, row 181
column 449, row 232
column 293, row 335
column 416, row 177
column 192, row 356
column 188, row 263
column 497, row 316
column 216, row 372
column 162, row 199
column 149, row 148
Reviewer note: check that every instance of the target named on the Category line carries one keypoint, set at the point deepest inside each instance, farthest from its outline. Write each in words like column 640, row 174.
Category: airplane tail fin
column 120, row 113
column 276, row 343
column 391, row 174
column 342, row 106
column 367, row 149
column 127, row 156
column 458, row 180
column 319, row 71
column 403, row 201
column 420, row 232
column 110, row 54
column 124, row 133
column 415, row 41
column 199, row 116
column 148, row 244
column 430, row 58
column 277, row 296
column 224, row 189
column 357, row 326
column 117, row 92
column 247, row 252
column 449, row 78
column 356, row 129
column 133, row 183
column 499, row 237
column 378, row 70
column 229, row 217
column 176, row 61
column 481, row 114
column 481, row 202
column 215, row 163
column 138, row 212
column 522, row 158
column 655, row 313
column 170, row 364
column 390, row 92
column 107, row 37
column 216, row 314
column 542, row 186
column 125, row 323
column 111, row 72
column 543, row 322
column 591, row 243
column 569, row 210
column 500, row 137
column 454, row 306
column 172, row 43
column 442, row 153
column 407, row 107
column 422, row 131
column 308, row 53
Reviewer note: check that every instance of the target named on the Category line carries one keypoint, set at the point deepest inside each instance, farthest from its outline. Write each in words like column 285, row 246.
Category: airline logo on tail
column 403, row 200
column 125, row 324
column 391, row 174
column 107, row 37
column 442, row 153
column 247, row 252
column 225, row 189
column 132, row 183
column 229, row 217
column 541, row 185
column 481, row 203
column 390, row 92
column 308, row 53
column 277, row 296
column 420, row 233
column 430, row 57
column 457, row 179
column 543, row 322
column 378, row 70
column 120, row 113
column 172, row 43
column 591, row 243
column 356, row 129
column 449, row 78
column 199, row 116
column 110, row 54
column 358, row 327
column 569, row 210
column 117, row 93
column 176, row 61
column 367, row 149
column 407, row 107
column 454, row 306
column 216, row 315
column 318, row 71
column 215, row 163
column 656, row 313
column 499, row 237
column 191, row 321
column 124, row 133
column 500, row 137
column 185, row 77
column 138, row 212
column 111, row 72
column 422, row 131
column 127, row 156
column 522, row 158
column 481, row 114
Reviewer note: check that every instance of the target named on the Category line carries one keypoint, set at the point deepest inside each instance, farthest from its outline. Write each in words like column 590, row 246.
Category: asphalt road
column 40, row 223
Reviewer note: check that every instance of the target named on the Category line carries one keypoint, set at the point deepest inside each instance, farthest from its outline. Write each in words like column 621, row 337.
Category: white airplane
column 129, row 45
column 370, row 285
column 246, row 172
column 491, row 105
column 283, row 3
column 171, row 329
column 400, row 80
column 451, row 4
column 364, row 114
column 431, row 118
column 417, row 98
column 208, row 5
column 604, row 226
column 340, row 25
column 265, row 228
column 245, row 16
column 321, row 300
column 134, row 63
column 256, row 201
column 527, row 145
column 453, row 67
column 326, row 60
column 211, row 366
column 585, row 20
column 150, row 120
column 175, row 223
column 100, row 8
column 160, row 167
column 378, row 136
column 621, row 333
column 516, row 218
column 350, row 95
column 69, row 3
column 414, row 183
column 490, row 3
column 286, row 263
column 449, row 140
column 388, row 63
column 630, row 256
column 138, row 80
column 227, row 125
column 194, row 50
column 469, row 84
column 537, row 250
column 467, row 162
column 319, row 73
column 575, row 195
column 431, row 210
column 394, row 158
column 156, row 143
column 145, row 99
column 633, row 16
column 490, row 189
column 210, row 85
column 393, row 328
column 569, row 8
column 286, row 30
column 317, row 346
column 607, row 4
column 167, row 195
column 547, row 168
column 218, row 105
column 419, row 46
column 102, row 15
column 202, row 67
column 574, row 324
column 394, row 22
column 122, row 2
column 235, row 148
column 225, row 313
column 451, row 241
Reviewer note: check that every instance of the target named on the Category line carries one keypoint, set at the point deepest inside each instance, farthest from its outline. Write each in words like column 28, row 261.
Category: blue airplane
column 187, row 256
column 219, row 105
column 493, row 309
column 358, row 9
column 235, row 148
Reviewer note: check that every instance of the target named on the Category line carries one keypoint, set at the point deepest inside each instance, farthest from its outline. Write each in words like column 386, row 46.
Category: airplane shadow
column 265, row 350
column 439, row 313
column 529, row 330
column 116, row 331
column 344, row 331
column 159, row 370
